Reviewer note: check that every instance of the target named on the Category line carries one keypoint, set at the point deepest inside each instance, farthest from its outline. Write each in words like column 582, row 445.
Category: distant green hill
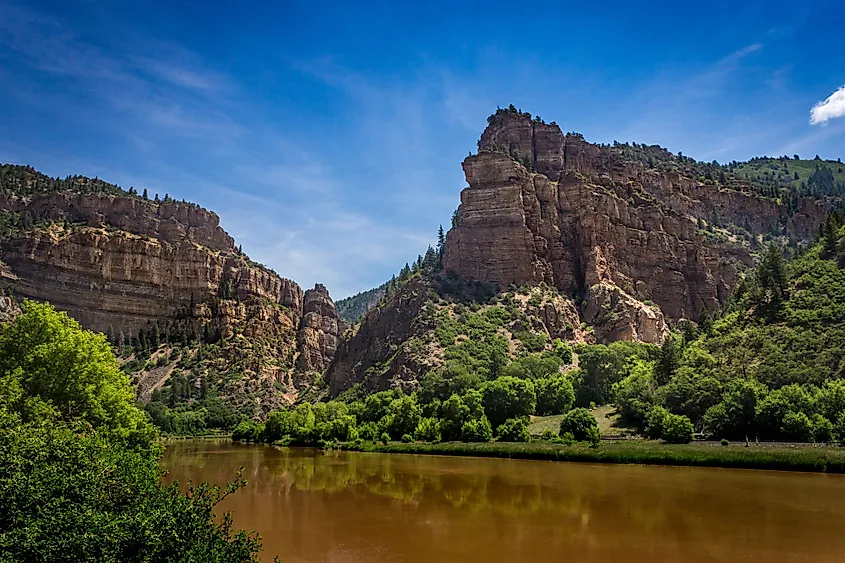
column 353, row 308
column 809, row 177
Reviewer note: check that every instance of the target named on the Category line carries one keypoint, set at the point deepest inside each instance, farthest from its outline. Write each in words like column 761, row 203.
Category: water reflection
column 311, row 506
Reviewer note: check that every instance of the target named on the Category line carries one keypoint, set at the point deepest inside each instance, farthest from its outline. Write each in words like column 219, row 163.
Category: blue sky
column 328, row 136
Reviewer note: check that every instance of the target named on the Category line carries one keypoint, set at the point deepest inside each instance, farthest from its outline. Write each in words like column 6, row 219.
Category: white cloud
column 831, row 108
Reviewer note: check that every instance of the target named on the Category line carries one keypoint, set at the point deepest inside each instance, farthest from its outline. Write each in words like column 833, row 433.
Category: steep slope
column 150, row 272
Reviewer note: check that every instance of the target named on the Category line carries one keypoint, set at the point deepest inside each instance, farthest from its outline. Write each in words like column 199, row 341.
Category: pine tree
column 667, row 362
column 771, row 275
column 441, row 239
column 145, row 194
column 705, row 322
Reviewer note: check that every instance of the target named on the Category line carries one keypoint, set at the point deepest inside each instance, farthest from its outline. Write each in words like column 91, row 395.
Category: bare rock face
column 123, row 265
column 378, row 339
column 616, row 315
column 114, row 278
column 319, row 331
column 580, row 216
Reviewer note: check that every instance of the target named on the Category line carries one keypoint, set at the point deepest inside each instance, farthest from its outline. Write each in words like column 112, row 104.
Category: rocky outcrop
column 113, row 278
column 542, row 206
column 615, row 315
column 377, row 340
column 166, row 271
column 319, row 331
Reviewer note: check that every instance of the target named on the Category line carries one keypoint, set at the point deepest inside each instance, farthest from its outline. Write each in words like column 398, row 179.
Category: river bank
column 823, row 459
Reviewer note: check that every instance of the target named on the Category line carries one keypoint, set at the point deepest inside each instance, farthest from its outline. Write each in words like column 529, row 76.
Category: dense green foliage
column 769, row 366
column 79, row 476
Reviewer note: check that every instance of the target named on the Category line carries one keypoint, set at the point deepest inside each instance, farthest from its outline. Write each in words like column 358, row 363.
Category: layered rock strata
column 542, row 206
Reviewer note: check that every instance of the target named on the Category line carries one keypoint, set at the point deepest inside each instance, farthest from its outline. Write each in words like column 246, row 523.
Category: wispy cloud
column 831, row 108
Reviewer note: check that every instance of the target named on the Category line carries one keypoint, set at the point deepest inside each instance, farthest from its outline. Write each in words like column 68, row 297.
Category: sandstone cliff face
column 319, row 331
column 122, row 265
column 377, row 340
column 108, row 278
column 585, row 219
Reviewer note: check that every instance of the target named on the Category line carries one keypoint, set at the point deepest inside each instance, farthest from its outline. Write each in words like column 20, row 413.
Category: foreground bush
column 477, row 430
column 677, row 429
column 513, row 430
column 79, row 475
column 580, row 423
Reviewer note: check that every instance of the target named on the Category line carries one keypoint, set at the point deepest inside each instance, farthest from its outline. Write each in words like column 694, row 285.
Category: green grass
column 800, row 458
column 606, row 417
column 805, row 168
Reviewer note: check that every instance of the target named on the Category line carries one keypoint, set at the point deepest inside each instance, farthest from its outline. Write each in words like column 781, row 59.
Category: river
column 341, row 507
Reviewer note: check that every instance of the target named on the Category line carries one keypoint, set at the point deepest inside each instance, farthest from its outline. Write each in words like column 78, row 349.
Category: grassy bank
column 828, row 459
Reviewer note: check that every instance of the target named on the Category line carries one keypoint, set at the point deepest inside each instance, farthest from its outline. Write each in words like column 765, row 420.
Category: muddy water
column 354, row 507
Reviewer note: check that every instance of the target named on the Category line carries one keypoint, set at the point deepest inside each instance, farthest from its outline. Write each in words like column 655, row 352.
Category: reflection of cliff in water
column 569, row 507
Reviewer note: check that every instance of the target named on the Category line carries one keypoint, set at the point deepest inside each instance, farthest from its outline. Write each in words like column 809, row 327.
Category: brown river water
column 355, row 507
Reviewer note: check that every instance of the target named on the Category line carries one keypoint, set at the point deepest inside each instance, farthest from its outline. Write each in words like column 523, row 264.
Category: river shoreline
column 818, row 459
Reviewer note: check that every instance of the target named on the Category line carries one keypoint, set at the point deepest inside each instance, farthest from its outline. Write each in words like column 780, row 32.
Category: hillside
column 168, row 286
column 770, row 364
column 352, row 308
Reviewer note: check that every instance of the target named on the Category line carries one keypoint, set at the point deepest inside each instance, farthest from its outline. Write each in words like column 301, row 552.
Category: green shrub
column 407, row 438
column 822, row 429
column 508, row 397
column 385, row 437
column 677, row 429
column 513, row 430
column 655, row 420
column 555, row 395
column 725, row 442
column 477, row 430
column 594, row 437
column 578, row 422
column 797, row 426
column 428, row 430
column 248, row 431
column 368, row 431
column 839, row 430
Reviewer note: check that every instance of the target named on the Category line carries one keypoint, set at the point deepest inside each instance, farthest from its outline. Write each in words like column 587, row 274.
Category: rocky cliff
column 319, row 331
column 542, row 206
column 129, row 266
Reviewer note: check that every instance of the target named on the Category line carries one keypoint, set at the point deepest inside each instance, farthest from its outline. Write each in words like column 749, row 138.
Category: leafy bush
column 655, row 422
column 248, row 431
column 555, row 395
column 477, row 430
column 578, row 422
column 407, row 438
column 80, row 475
column 428, row 430
column 797, row 426
column 513, row 430
column 368, row 431
column 508, row 397
column 677, row 429
column 822, row 429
